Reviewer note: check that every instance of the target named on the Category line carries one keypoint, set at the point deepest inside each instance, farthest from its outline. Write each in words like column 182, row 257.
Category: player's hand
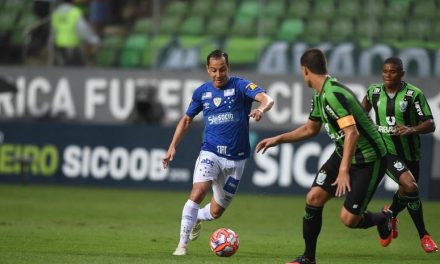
column 404, row 130
column 343, row 184
column 257, row 114
column 265, row 144
column 168, row 157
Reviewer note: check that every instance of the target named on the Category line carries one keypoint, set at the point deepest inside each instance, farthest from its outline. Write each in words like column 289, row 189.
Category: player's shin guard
column 189, row 218
column 415, row 210
column 312, row 223
column 398, row 204
column 205, row 213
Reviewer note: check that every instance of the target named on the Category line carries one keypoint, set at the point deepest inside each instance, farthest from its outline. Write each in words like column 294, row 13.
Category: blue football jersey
column 225, row 113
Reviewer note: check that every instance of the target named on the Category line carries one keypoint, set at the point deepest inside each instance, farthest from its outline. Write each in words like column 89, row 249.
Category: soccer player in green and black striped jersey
column 402, row 113
column 354, row 169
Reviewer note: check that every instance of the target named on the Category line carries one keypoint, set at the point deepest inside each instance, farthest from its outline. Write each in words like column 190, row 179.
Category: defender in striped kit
column 402, row 113
column 355, row 168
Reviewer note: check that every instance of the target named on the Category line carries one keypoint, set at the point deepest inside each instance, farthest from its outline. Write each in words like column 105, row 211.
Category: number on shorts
column 231, row 185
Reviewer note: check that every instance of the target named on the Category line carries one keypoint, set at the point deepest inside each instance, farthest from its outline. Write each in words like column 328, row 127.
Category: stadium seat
column 193, row 26
column 425, row 9
column 226, row 7
column 245, row 51
column 218, row 26
column 268, row 27
column 201, row 8
column 243, row 26
column 298, row 9
column 392, row 32
column 418, row 29
column 398, row 9
column 341, row 30
column 348, row 8
column 109, row 50
column 143, row 25
column 316, row 29
column 372, row 11
column 176, row 8
column 290, row 29
column 274, row 9
column 203, row 44
column 366, row 32
column 324, row 9
column 158, row 44
column 248, row 9
column 169, row 24
column 135, row 50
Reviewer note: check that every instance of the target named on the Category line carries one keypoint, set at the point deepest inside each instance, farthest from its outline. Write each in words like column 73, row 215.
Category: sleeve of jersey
column 195, row 107
column 339, row 108
column 250, row 89
column 315, row 113
column 422, row 108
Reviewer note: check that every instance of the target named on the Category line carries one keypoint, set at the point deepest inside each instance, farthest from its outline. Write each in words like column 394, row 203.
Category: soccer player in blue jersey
column 226, row 105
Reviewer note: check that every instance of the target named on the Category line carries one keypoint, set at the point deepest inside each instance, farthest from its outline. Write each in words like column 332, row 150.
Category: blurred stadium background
column 108, row 123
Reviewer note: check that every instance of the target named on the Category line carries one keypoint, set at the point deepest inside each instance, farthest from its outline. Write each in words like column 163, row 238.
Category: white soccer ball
column 224, row 242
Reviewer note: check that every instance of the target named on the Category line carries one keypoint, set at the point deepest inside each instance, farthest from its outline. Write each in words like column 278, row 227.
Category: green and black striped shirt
column 337, row 101
column 408, row 107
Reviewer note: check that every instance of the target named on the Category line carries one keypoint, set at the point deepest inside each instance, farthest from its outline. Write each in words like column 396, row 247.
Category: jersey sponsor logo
column 221, row 118
column 320, row 179
column 251, row 86
column 222, row 150
column 207, row 162
column 391, row 120
column 418, row 108
column 410, row 93
column 333, row 136
column 355, row 206
column 403, row 105
column 376, row 90
column 207, row 95
column 331, row 112
column 387, row 130
column 398, row 165
column 217, row 101
column 229, row 92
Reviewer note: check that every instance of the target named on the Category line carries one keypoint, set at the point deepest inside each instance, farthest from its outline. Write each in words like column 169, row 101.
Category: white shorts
column 225, row 175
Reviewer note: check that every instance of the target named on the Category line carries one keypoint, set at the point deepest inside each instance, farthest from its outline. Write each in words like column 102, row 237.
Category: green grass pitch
column 53, row 224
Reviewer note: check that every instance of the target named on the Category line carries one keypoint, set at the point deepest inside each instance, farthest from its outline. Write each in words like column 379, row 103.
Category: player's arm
column 180, row 131
column 351, row 135
column 266, row 103
column 308, row 130
column 427, row 126
column 366, row 104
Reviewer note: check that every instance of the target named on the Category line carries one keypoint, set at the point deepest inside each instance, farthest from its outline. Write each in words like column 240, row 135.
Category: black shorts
column 397, row 166
column 364, row 179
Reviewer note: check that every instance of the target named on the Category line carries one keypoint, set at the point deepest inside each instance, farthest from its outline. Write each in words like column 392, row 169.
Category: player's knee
column 315, row 198
column 351, row 222
column 408, row 184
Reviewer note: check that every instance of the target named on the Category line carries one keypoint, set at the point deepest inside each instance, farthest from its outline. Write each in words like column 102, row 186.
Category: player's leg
column 205, row 171
column 319, row 194
column 415, row 210
column 364, row 179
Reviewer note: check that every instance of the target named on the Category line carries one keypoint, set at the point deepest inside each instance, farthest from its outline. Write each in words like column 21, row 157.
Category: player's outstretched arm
column 181, row 129
column 266, row 103
column 308, row 130
column 427, row 126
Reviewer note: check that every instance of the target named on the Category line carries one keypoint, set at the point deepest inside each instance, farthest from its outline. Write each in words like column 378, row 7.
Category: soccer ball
column 224, row 242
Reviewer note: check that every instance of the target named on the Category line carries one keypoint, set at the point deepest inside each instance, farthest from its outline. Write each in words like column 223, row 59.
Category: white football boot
column 195, row 231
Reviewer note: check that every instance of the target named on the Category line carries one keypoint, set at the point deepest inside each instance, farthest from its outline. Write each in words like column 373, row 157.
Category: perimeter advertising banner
column 130, row 156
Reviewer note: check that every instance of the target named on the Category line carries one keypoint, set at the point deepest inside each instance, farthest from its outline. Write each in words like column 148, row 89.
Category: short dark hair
column 314, row 60
column 217, row 54
column 395, row 61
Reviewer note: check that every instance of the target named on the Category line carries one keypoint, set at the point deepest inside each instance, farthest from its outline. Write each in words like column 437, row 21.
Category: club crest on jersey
column 403, row 105
column 217, row 101
column 320, row 179
column 398, row 165
column 229, row 92
column 207, row 95
column 391, row 120
column 251, row 86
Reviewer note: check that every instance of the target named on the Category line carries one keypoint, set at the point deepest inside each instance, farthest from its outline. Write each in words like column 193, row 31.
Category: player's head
column 392, row 72
column 313, row 62
column 217, row 66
